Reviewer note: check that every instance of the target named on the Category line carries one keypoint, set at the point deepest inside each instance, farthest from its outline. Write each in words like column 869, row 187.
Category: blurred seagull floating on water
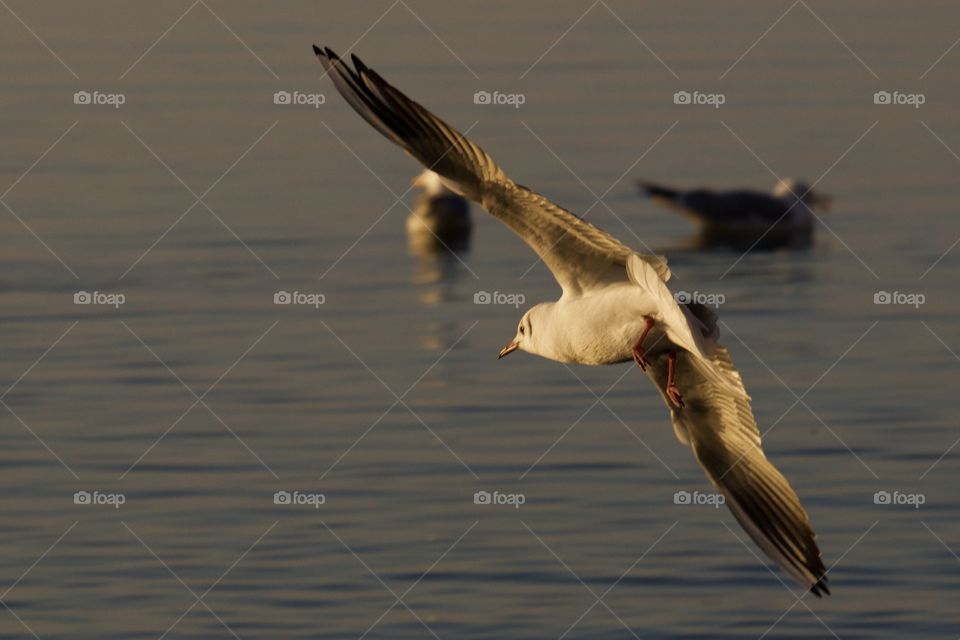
column 440, row 220
column 615, row 307
column 744, row 219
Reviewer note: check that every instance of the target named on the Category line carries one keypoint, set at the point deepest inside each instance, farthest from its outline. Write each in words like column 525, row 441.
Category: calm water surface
column 199, row 398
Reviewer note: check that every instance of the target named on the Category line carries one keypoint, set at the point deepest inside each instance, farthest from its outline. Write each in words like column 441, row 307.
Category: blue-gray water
column 862, row 396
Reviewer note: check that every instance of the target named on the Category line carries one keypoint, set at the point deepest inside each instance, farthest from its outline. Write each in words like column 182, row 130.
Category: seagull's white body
column 441, row 217
column 610, row 294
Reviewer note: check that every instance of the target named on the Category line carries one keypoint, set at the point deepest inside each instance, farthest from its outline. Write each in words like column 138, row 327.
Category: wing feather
column 577, row 253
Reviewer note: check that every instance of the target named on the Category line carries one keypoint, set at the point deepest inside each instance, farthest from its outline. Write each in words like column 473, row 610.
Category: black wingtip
column 820, row 588
column 317, row 51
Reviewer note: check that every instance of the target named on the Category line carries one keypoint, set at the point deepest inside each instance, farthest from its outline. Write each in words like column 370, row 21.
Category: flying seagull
column 440, row 219
column 615, row 307
column 742, row 218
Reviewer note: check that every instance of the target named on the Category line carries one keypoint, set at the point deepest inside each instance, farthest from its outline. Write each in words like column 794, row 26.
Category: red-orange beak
column 510, row 348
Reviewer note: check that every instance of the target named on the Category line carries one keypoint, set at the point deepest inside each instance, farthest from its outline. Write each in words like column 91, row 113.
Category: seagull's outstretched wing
column 577, row 253
column 720, row 207
column 720, row 427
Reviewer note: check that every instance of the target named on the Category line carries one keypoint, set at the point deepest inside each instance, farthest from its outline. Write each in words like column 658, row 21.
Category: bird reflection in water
column 438, row 235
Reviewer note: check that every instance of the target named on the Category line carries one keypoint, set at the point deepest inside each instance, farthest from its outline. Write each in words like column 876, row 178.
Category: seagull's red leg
column 638, row 355
column 672, row 391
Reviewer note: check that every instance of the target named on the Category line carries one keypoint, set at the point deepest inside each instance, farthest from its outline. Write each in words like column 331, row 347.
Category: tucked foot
column 672, row 391
column 640, row 358
column 638, row 354
column 675, row 396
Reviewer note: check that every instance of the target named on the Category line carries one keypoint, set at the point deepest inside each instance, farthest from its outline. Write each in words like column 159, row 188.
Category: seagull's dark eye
column 521, row 330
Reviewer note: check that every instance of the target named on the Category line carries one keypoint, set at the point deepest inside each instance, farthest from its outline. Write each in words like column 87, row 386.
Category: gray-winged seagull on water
column 744, row 218
column 615, row 307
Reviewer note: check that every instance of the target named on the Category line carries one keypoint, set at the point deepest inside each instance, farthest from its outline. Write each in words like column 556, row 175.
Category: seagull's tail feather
column 658, row 191
column 464, row 166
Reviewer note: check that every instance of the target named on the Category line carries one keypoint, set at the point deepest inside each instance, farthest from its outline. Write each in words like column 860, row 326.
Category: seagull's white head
column 529, row 332
column 791, row 187
column 431, row 183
